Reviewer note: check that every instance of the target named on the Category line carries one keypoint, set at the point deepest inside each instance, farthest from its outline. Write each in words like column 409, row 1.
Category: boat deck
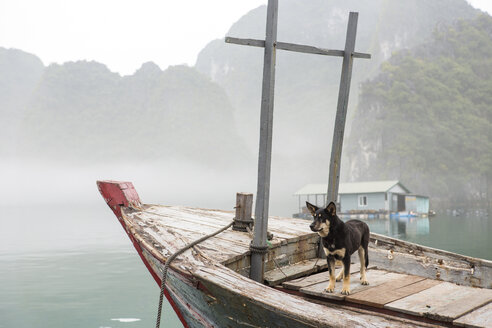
column 406, row 294
column 292, row 266
column 230, row 247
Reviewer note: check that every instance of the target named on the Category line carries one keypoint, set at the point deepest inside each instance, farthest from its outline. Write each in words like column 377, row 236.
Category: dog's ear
column 331, row 209
column 312, row 208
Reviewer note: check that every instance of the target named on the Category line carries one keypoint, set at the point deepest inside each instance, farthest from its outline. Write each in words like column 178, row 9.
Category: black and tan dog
column 340, row 240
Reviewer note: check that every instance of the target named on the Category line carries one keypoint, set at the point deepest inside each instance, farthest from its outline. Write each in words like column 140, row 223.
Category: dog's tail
column 366, row 260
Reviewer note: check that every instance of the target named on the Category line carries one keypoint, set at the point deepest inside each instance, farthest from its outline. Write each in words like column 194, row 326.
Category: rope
column 171, row 258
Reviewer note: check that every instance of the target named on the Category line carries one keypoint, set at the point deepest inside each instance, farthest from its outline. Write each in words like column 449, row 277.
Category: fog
column 168, row 183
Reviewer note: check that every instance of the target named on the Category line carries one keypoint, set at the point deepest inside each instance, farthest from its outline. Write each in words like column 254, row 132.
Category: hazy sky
column 123, row 34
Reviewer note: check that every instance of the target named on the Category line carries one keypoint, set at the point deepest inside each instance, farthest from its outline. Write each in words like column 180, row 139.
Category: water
column 467, row 235
column 73, row 266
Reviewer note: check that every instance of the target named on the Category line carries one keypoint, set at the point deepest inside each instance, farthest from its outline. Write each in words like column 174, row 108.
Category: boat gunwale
column 424, row 248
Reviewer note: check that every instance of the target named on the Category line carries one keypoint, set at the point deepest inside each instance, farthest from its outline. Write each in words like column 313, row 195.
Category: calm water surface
column 467, row 234
column 73, row 266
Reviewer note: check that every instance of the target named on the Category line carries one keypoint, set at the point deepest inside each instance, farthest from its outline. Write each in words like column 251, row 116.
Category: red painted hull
column 118, row 194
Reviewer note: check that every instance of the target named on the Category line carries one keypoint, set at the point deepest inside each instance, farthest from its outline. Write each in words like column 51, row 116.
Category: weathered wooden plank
column 300, row 226
column 445, row 301
column 234, row 238
column 375, row 278
column 295, row 48
column 244, row 208
column 402, row 256
column 286, row 228
column 297, row 284
column 478, row 318
column 277, row 276
column 294, row 225
column 417, row 287
column 237, row 293
column 198, row 227
column 226, row 239
column 245, row 42
column 428, row 266
column 185, row 215
column 389, row 291
column 163, row 238
column 161, row 246
column 309, row 49
column 230, row 246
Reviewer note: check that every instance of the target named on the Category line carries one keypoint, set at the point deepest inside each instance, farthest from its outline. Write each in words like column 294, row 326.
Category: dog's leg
column 340, row 275
column 331, row 268
column 362, row 258
column 346, row 275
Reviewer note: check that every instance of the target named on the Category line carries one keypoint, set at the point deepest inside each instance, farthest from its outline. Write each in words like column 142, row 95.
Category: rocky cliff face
column 81, row 111
column 426, row 119
column 20, row 73
column 307, row 85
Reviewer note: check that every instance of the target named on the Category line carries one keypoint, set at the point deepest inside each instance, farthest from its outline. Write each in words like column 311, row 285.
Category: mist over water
column 167, row 183
column 72, row 265
column 64, row 258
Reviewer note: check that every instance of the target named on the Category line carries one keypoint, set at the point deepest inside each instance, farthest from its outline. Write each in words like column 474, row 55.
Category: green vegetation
column 426, row 119
column 82, row 112
column 307, row 85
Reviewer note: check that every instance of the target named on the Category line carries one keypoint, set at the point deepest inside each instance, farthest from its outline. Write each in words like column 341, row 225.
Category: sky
column 123, row 34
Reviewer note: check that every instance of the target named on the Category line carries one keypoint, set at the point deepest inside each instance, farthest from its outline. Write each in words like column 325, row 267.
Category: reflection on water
column 401, row 228
column 468, row 235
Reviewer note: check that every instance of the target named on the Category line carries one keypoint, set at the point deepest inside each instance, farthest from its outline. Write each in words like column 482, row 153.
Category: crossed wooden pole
column 259, row 244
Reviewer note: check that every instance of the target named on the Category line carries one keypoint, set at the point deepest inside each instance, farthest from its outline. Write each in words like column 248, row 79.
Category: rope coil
column 258, row 249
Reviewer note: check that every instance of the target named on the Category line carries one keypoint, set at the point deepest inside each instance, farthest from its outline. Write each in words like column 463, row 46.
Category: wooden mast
column 343, row 97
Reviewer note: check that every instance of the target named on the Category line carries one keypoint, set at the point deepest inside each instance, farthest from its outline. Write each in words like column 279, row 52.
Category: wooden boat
column 208, row 286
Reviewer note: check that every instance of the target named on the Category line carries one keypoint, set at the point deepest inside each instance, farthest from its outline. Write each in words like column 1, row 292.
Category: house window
column 362, row 200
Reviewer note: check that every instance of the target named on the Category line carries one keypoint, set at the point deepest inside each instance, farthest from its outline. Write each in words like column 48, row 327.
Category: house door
column 401, row 203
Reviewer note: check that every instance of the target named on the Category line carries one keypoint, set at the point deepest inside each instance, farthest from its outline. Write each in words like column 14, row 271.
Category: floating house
column 372, row 197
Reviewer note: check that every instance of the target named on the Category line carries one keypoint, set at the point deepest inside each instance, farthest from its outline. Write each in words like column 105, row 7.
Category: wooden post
column 258, row 246
column 244, row 207
column 343, row 97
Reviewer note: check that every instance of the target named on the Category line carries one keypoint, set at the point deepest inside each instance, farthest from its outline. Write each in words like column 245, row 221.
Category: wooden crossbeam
column 295, row 48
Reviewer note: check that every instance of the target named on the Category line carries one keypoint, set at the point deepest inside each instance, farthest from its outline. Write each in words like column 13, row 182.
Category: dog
column 340, row 240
